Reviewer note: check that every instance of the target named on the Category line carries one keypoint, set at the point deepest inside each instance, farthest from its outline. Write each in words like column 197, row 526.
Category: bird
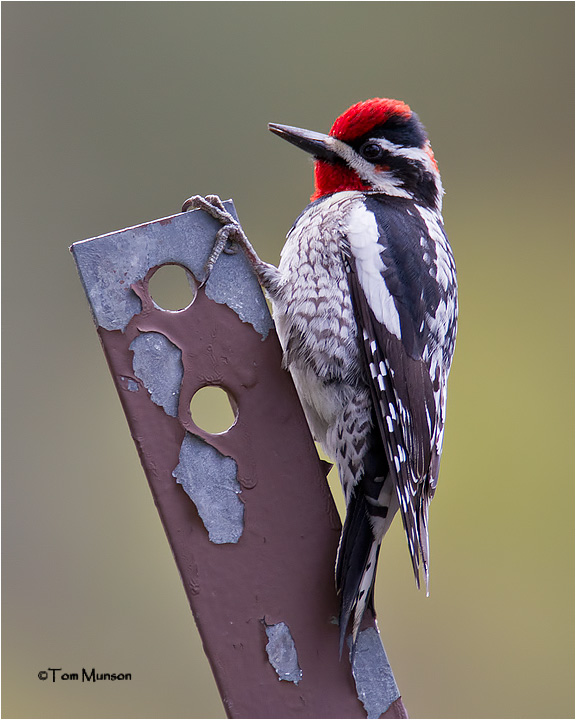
column 365, row 306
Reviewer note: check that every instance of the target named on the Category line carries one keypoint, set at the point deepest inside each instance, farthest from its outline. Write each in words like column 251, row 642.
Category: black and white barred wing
column 396, row 300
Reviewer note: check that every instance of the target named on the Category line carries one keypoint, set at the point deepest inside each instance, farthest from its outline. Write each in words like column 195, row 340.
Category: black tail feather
column 353, row 556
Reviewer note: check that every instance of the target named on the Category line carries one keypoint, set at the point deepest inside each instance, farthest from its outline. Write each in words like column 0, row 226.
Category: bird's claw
column 229, row 233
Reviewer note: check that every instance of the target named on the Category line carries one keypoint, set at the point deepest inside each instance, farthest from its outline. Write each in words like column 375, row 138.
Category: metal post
column 248, row 513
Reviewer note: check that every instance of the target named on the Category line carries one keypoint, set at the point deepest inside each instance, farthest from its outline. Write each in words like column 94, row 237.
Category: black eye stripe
column 407, row 133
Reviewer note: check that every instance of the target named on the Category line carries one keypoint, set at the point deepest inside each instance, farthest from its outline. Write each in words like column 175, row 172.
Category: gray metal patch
column 209, row 479
column 158, row 363
column 109, row 264
column 282, row 652
column 375, row 683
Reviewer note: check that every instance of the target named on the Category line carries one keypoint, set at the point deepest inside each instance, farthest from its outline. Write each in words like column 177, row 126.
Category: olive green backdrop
column 113, row 114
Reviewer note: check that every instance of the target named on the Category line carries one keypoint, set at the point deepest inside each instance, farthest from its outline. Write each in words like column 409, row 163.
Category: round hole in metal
column 172, row 287
column 213, row 409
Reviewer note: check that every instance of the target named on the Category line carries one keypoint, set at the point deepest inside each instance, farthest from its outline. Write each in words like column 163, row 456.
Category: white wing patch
column 362, row 236
column 445, row 271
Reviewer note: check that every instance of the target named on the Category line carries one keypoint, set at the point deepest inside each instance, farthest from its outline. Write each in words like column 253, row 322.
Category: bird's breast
column 313, row 311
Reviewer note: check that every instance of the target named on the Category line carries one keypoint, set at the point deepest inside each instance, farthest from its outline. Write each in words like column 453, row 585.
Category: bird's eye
column 371, row 151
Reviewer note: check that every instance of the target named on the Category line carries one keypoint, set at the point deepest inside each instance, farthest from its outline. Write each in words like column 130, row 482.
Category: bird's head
column 378, row 145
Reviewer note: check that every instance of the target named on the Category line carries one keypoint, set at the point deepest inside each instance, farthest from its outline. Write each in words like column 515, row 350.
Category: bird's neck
column 330, row 179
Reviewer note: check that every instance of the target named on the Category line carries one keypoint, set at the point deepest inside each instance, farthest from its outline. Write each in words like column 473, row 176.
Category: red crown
column 365, row 115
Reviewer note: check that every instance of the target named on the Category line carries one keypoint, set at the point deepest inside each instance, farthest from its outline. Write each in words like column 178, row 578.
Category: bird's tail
column 356, row 566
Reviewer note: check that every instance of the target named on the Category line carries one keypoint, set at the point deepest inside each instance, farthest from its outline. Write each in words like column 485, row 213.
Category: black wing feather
column 393, row 430
column 402, row 389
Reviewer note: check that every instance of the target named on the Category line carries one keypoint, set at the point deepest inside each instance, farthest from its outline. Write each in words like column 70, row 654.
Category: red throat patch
column 330, row 179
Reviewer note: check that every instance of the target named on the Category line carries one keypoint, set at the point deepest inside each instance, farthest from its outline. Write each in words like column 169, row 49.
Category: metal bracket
column 248, row 512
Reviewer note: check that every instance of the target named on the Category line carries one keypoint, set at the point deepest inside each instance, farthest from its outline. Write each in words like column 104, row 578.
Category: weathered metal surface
column 109, row 268
column 248, row 512
column 209, row 479
column 375, row 681
column 282, row 653
column 158, row 363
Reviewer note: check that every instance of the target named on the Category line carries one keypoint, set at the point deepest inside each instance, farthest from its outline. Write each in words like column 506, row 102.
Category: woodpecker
column 365, row 306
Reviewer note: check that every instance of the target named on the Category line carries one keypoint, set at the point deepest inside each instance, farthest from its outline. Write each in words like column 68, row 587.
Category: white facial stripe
column 382, row 181
column 362, row 235
column 409, row 153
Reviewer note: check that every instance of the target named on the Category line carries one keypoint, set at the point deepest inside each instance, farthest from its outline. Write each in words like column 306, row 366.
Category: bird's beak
column 316, row 144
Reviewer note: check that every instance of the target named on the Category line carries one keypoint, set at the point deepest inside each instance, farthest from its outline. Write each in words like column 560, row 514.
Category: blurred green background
column 114, row 113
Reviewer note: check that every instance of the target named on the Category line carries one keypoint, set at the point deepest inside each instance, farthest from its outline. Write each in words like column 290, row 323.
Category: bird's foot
column 229, row 235
column 228, row 238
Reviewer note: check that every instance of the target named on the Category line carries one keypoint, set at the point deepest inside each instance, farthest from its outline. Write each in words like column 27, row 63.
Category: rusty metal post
column 248, row 513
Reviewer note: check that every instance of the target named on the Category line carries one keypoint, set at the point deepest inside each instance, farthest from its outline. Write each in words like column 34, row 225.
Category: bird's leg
column 229, row 234
column 212, row 205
